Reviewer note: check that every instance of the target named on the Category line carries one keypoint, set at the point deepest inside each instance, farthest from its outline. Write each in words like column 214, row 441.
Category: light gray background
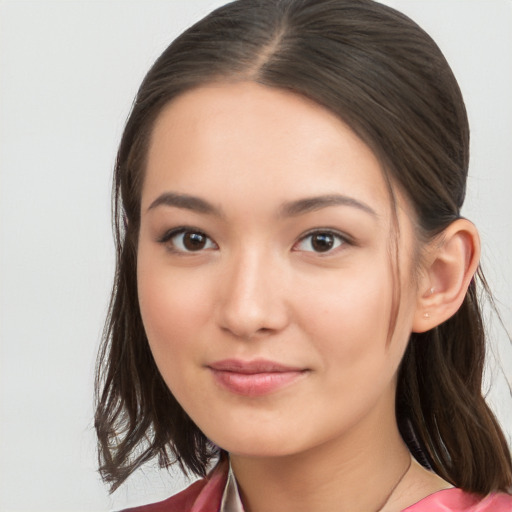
column 68, row 73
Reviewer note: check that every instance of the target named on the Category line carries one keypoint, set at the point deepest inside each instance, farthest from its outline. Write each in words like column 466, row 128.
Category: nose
column 252, row 300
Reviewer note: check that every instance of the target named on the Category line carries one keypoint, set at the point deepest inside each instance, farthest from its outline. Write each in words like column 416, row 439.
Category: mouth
column 254, row 378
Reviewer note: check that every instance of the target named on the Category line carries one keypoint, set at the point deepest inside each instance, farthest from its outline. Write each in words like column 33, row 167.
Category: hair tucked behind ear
column 386, row 78
column 440, row 407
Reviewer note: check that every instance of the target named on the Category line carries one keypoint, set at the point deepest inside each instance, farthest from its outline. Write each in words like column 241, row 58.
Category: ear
column 452, row 260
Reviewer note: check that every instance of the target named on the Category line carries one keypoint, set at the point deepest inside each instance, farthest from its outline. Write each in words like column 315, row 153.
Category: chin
column 273, row 442
column 258, row 449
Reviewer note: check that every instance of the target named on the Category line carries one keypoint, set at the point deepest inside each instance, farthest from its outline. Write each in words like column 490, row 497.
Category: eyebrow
column 288, row 209
column 185, row 201
column 310, row 204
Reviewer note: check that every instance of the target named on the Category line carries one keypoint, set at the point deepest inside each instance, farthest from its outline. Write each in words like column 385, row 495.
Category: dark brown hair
column 386, row 78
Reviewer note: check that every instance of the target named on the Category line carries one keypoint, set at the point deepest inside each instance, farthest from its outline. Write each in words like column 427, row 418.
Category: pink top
column 456, row 500
column 206, row 496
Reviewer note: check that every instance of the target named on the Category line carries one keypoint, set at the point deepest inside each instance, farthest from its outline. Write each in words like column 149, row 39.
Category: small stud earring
column 432, row 290
column 426, row 315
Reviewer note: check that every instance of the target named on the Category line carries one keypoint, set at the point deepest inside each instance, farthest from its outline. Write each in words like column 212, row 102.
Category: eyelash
column 339, row 240
column 339, row 237
column 167, row 238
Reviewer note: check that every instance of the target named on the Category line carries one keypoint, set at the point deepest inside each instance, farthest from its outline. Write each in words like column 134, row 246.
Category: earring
column 426, row 315
column 432, row 290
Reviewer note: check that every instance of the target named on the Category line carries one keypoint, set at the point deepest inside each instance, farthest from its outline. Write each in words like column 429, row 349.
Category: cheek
column 347, row 319
column 351, row 309
column 174, row 312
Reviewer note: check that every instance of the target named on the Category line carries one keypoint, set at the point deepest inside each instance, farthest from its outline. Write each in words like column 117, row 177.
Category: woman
column 295, row 291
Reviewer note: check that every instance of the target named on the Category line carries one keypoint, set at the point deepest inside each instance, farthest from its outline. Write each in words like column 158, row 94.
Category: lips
column 254, row 378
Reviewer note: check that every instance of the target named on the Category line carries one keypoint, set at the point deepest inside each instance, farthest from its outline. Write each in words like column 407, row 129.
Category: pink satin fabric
column 206, row 495
column 456, row 500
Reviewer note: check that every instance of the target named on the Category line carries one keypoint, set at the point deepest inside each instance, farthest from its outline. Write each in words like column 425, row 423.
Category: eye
column 188, row 240
column 320, row 241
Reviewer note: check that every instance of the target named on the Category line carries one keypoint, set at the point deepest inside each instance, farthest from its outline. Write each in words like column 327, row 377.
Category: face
column 264, row 272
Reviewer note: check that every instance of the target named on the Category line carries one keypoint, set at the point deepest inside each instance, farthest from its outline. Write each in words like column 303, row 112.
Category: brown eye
column 320, row 241
column 187, row 241
column 194, row 241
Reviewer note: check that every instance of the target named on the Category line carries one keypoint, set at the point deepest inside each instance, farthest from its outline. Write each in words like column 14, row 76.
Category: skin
column 259, row 289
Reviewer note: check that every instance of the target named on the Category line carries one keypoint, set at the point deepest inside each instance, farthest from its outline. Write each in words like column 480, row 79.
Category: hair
column 386, row 79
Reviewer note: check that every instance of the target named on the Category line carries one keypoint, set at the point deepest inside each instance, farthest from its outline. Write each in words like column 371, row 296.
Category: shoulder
column 202, row 496
column 456, row 500
column 180, row 502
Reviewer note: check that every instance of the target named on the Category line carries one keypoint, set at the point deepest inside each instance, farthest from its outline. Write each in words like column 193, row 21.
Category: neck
column 353, row 472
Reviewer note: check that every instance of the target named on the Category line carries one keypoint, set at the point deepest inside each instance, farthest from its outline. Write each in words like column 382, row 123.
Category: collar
column 231, row 501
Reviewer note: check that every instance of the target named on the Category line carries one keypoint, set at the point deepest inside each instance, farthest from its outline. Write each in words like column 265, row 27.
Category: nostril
column 246, row 334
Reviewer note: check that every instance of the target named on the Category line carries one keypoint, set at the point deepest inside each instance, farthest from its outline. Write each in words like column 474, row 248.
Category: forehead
column 252, row 139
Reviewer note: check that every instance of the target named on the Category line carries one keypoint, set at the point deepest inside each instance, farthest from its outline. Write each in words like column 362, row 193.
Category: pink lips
column 253, row 378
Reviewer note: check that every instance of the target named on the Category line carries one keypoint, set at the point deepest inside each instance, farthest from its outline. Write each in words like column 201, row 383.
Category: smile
column 254, row 378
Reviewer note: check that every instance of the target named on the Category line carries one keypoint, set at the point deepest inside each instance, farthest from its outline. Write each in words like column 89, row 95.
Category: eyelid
column 344, row 238
column 166, row 238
